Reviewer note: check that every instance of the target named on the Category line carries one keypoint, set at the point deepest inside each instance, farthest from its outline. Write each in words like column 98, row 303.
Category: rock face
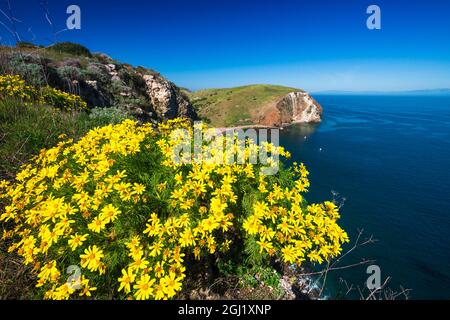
column 104, row 82
column 299, row 107
column 296, row 107
column 167, row 100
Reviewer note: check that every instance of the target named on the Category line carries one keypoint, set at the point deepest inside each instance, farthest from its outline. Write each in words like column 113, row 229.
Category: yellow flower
column 136, row 252
column 171, row 284
column 61, row 190
column 155, row 249
column 284, row 226
column 126, row 280
column 86, row 289
column 76, row 241
column 177, row 256
column 159, row 269
column 138, row 189
column 197, row 252
column 153, row 228
column 144, row 287
column 91, row 259
column 109, row 214
column 159, row 291
column 179, row 178
column 186, row 239
column 289, row 254
column 267, row 234
column 264, row 246
column 97, row 225
column 48, row 272
column 162, row 186
column 251, row 225
column 315, row 257
column 139, row 263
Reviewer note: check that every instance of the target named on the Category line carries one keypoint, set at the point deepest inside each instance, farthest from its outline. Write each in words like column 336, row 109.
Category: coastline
column 221, row 130
column 261, row 126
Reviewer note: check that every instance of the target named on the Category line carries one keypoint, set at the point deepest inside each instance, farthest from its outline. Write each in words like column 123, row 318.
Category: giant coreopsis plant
column 113, row 215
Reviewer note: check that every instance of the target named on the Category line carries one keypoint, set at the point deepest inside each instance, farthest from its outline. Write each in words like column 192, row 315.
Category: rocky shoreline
column 295, row 107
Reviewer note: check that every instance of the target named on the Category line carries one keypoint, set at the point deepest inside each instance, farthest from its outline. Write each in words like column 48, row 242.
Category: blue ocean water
column 389, row 157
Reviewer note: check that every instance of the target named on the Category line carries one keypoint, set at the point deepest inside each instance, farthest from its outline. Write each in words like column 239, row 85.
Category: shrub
column 29, row 71
column 69, row 73
column 96, row 72
column 32, row 73
column 26, row 129
column 133, row 80
column 118, row 87
column 61, row 100
column 26, row 45
column 116, row 205
column 72, row 62
column 112, row 115
column 14, row 87
column 71, row 48
column 103, row 58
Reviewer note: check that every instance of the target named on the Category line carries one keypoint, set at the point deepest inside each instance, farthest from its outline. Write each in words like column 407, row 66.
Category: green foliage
column 61, row 100
column 103, row 58
column 95, row 72
column 71, row 48
column 26, row 44
column 250, row 276
column 111, row 115
column 132, row 80
column 118, row 87
column 260, row 275
column 253, row 255
column 25, row 130
column 69, row 73
column 32, row 73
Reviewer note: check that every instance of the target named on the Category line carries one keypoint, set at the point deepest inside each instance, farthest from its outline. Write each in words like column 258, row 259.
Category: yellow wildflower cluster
column 283, row 224
column 13, row 86
column 117, row 205
column 61, row 100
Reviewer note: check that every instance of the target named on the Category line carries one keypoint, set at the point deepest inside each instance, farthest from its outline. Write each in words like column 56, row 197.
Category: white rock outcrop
column 295, row 107
column 167, row 100
column 299, row 107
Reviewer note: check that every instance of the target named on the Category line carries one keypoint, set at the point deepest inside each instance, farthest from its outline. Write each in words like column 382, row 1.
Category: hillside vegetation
column 98, row 79
column 236, row 106
column 93, row 204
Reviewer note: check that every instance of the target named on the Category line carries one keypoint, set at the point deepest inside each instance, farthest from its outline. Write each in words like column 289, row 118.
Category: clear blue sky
column 315, row 45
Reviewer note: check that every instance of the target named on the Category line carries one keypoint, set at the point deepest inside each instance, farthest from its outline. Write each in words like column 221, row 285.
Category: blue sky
column 315, row 45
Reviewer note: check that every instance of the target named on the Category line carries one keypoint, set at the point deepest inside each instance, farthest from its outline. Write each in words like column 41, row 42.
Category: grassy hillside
column 236, row 106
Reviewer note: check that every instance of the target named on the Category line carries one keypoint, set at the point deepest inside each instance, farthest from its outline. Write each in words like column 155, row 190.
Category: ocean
column 387, row 158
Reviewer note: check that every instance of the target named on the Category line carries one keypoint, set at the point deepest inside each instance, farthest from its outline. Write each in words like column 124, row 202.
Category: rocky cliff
column 260, row 104
column 101, row 81
column 295, row 107
column 167, row 100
